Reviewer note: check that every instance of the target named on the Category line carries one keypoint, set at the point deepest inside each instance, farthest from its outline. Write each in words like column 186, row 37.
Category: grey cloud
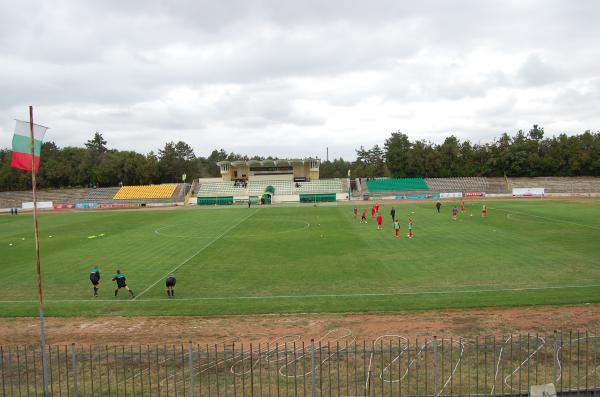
column 302, row 74
column 536, row 72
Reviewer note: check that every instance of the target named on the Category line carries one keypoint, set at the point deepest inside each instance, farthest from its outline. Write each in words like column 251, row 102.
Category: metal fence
column 390, row 365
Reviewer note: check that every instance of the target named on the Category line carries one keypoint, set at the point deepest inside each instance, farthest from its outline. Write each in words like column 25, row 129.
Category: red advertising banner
column 473, row 194
column 61, row 206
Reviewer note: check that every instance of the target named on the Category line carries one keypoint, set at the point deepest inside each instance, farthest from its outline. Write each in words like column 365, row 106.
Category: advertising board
column 451, row 195
column 528, row 192
column 42, row 205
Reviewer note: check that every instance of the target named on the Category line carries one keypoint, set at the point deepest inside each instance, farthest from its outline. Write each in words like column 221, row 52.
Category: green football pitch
column 304, row 259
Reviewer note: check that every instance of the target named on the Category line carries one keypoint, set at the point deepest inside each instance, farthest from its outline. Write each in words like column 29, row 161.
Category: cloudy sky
column 289, row 78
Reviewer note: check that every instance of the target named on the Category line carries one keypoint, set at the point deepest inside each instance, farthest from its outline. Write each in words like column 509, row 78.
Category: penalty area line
column 230, row 228
column 474, row 291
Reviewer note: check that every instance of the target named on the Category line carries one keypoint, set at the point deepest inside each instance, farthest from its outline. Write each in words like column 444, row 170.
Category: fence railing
column 390, row 365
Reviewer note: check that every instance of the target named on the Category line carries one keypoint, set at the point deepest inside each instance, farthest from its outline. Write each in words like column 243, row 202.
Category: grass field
column 304, row 259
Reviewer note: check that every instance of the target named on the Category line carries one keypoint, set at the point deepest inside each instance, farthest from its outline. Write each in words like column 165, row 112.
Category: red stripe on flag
column 22, row 161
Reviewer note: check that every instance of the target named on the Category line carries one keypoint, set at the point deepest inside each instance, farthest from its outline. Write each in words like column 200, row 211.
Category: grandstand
column 289, row 190
column 280, row 169
column 469, row 184
column 280, row 187
column 493, row 185
column 220, row 189
column 73, row 197
column 284, row 189
column 146, row 192
column 396, row 184
column 559, row 184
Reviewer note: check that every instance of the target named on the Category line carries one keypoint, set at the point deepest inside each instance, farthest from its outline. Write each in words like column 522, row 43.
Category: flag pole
column 37, row 257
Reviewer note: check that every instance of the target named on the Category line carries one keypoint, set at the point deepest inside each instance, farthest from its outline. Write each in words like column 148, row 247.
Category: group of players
column 121, row 281
column 375, row 213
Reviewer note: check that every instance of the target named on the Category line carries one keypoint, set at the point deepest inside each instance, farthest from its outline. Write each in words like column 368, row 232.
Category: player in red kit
column 364, row 217
column 379, row 221
column 373, row 211
column 355, row 212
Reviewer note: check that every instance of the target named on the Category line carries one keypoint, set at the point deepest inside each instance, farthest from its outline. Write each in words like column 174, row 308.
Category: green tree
column 397, row 149
column 97, row 143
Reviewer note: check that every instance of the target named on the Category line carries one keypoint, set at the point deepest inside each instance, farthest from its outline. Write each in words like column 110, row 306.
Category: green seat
column 394, row 184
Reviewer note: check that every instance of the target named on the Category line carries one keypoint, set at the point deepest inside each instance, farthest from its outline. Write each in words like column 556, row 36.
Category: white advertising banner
column 451, row 195
column 43, row 205
column 528, row 192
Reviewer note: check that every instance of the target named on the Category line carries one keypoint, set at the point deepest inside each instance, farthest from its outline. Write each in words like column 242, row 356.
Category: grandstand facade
column 297, row 170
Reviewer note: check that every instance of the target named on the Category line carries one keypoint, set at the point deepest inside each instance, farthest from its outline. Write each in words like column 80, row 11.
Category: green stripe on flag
column 22, row 144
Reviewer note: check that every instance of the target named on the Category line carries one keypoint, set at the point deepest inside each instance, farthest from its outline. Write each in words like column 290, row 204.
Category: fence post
column 313, row 368
column 74, row 369
column 554, row 360
column 191, row 365
column 435, row 388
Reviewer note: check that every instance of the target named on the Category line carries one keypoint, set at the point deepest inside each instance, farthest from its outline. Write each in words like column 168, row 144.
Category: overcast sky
column 289, row 78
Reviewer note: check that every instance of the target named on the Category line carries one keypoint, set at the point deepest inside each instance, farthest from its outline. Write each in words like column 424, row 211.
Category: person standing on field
column 393, row 214
column 95, row 279
column 379, row 220
column 171, row 286
column 410, row 227
column 121, row 283
column 397, row 227
column 363, row 219
column 438, row 205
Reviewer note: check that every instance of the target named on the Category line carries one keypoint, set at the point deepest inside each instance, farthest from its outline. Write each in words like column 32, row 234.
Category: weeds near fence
column 390, row 365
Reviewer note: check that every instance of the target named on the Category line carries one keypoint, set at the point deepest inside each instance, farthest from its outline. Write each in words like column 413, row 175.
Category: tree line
column 523, row 154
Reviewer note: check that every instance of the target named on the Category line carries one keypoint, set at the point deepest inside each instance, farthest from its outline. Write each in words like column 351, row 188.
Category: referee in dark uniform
column 95, row 279
column 171, row 286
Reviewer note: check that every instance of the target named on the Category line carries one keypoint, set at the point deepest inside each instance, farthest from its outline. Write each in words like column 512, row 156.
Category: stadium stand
column 210, row 189
column 470, row 184
column 101, row 194
column 289, row 187
column 146, row 192
column 97, row 195
column 396, row 184
column 281, row 187
column 497, row 185
column 15, row 199
column 559, row 184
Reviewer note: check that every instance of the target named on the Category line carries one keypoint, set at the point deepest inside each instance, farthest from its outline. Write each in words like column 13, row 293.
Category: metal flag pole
column 37, row 257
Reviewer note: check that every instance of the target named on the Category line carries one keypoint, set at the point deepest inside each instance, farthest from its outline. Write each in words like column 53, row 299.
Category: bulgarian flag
column 21, row 145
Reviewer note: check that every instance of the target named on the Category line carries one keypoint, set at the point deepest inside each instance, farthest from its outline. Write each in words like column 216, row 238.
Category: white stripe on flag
column 22, row 128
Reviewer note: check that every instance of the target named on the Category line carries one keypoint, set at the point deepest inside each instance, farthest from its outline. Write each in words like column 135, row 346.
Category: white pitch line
column 475, row 291
column 549, row 219
column 196, row 253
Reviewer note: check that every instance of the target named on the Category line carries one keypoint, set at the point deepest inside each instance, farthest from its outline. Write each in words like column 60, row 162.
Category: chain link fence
column 390, row 365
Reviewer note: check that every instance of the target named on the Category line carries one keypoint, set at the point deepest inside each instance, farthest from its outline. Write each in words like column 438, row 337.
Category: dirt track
column 466, row 323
